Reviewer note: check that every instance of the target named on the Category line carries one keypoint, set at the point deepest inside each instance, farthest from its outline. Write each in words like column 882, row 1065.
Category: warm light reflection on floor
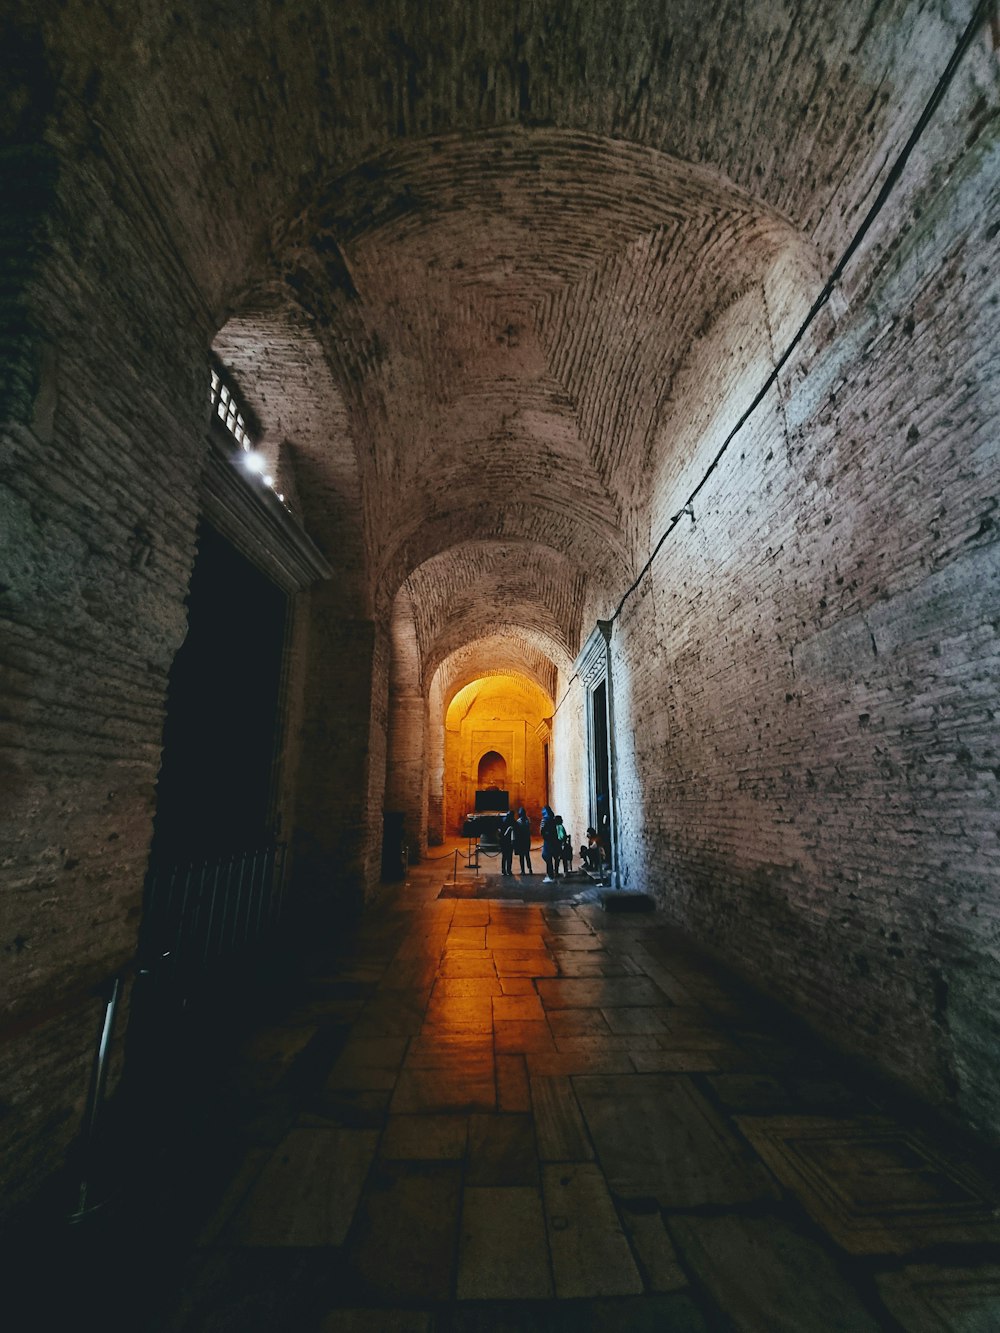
column 544, row 1102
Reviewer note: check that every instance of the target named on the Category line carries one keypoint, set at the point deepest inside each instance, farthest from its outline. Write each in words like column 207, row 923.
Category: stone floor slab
column 875, row 1187
column 501, row 1151
column 425, row 1138
column 466, row 937
column 396, row 1013
column 500, row 940
column 468, row 963
column 378, row 1321
column 597, row 1043
column 460, row 1010
column 404, row 1242
column 932, row 1298
column 513, row 1091
column 590, row 1254
column 657, row 1137
column 580, row 943
column 503, row 1253
column 368, row 1063
column 676, row 1062
column 524, row 963
column 307, row 1192
column 579, row 1022
column 657, row 1259
column 464, row 988
column 517, row 986
column 604, row 993
column 514, row 1035
column 580, row 1062
column 518, row 1008
column 559, row 1128
column 765, row 1275
column 422, row 1090
column 580, row 965
column 636, row 1021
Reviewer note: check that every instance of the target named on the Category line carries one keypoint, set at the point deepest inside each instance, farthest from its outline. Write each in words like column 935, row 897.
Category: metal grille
column 200, row 917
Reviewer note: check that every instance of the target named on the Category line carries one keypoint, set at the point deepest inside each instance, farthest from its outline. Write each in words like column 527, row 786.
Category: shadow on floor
column 488, row 1114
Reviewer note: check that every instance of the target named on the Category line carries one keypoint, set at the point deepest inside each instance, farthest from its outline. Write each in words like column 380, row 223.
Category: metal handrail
column 200, row 915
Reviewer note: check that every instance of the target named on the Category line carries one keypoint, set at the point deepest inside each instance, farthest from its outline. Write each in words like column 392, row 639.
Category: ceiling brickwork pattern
column 492, row 251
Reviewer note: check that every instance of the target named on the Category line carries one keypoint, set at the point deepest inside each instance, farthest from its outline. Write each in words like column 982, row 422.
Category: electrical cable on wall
column 984, row 10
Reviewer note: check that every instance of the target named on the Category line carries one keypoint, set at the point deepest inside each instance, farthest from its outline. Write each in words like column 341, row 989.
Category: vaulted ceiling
column 478, row 268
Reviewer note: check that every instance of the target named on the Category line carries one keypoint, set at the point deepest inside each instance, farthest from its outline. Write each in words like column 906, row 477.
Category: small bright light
column 281, row 498
column 255, row 462
column 268, row 481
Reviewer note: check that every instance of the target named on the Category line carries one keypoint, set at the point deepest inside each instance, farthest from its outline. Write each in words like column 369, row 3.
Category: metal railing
column 199, row 917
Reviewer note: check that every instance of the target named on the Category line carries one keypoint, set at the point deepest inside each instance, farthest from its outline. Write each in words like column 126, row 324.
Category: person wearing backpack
column 550, row 846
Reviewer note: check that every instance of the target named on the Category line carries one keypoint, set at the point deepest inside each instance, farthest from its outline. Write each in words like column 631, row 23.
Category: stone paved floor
column 548, row 1117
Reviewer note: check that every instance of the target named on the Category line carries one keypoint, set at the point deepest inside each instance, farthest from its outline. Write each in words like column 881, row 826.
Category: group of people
column 515, row 836
column 557, row 845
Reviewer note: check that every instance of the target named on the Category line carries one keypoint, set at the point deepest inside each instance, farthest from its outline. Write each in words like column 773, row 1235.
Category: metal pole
column 95, row 1094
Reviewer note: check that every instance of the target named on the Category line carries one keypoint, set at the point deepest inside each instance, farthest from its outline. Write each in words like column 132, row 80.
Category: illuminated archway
column 496, row 729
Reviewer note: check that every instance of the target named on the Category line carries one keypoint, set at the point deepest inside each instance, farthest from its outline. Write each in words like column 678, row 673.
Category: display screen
column 492, row 799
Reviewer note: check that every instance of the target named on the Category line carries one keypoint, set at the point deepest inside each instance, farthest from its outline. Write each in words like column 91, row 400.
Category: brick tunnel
column 414, row 412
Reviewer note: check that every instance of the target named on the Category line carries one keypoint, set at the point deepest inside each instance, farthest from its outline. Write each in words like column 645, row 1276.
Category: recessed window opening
column 226, row 407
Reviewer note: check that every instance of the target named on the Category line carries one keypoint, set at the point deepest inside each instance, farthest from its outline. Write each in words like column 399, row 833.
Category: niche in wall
column 492, row 770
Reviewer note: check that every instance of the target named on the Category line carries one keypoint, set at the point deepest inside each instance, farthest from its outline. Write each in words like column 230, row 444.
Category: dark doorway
column 214, row 793
column 601, row 765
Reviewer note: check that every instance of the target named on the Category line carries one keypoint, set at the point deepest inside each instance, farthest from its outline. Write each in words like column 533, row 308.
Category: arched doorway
column 492, row 771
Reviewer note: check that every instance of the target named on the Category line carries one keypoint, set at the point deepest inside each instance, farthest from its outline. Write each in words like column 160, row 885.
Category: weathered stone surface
column 308, row 1191
column 656, row 1137
column 763, row 1274
column 503, row 1255
column 590, row 1255
column 497, row 295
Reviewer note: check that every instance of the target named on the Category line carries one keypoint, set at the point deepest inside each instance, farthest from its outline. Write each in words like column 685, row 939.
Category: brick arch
column 508, row 364
column 505, row 714
column 524, row 654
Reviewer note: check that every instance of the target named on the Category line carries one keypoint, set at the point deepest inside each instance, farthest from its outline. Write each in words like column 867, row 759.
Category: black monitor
column 491, row 799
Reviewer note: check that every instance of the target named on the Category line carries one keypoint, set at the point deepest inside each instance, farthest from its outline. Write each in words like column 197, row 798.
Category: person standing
column 522, row 840
column 560, row 845
column 550, row 845
column 508, row 831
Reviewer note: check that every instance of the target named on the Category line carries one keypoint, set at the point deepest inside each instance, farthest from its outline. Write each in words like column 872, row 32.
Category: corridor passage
column 492, row 1114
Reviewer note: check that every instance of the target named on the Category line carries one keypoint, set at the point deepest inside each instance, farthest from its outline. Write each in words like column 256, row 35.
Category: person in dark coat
column 522, row 840
column 550, row 845
column 561, row 842
column 508, row 832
